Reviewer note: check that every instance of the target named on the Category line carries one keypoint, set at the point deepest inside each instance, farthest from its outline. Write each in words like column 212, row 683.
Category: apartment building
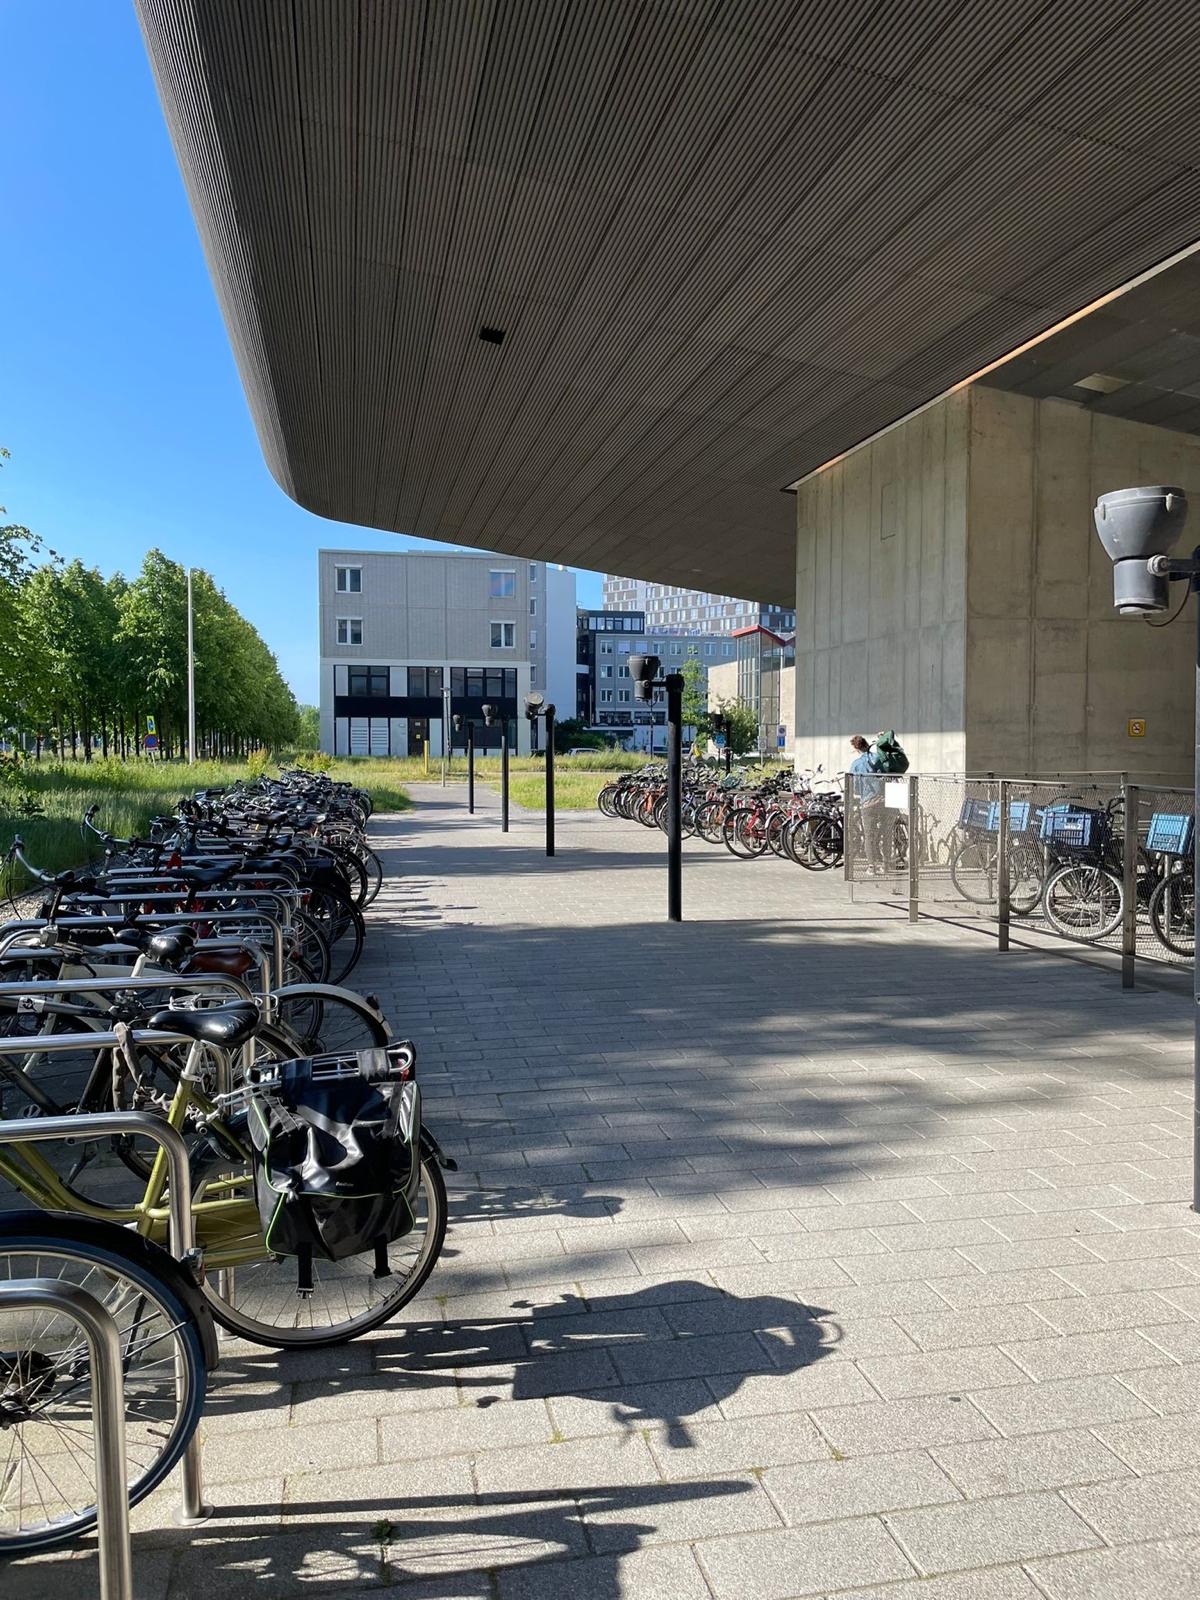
column 763, row 674
column 604, row 642
column 406, row 633
column 666, row 607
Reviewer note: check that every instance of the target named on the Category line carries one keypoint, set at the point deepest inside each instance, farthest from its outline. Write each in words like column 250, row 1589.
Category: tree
column 743, row 725
column 309, row 735
column 695, row 694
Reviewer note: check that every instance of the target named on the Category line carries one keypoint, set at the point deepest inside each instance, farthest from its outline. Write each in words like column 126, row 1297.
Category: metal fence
column 1046, row 854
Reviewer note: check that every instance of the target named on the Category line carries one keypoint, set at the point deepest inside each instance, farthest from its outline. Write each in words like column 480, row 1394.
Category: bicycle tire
column 1173, row 913
column 326, row 1016
column 1074, row 888
column 973, row 870
column 30, row 1241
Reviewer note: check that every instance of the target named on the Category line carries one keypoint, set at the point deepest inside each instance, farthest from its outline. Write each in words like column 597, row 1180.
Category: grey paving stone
column 1161, row 1570
column 1096, row 1313
column 655, row 1573
column 991, row 1583
column 1153, row 1507
column 902, row 1424
column 464, row 1430
column 1168, row 1389
column 949, row 1330
column 949, row 1371
column 673, row 1512
column 801, row 1561
column 695, row 1357
column 821, row 1383
column 231, row 1456
column 750, row 1445
column 826, row 1491
column 1064, row 1403
column 676, row 1405
column 1120, row 1277
column 987, row 1532
column 1081, row 1354
column 1016, row 1466
column 1008, row 1288
column 570, row 1465
column 1157, row 1444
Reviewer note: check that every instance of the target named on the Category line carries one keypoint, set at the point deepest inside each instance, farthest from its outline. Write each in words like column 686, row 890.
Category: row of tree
column 85, row 659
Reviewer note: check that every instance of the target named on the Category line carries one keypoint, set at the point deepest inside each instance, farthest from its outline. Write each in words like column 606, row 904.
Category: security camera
column 643, row 670
column 1138, row 529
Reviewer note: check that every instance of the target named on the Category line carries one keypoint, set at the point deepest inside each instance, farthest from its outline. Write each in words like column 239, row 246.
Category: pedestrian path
column 795, row 1252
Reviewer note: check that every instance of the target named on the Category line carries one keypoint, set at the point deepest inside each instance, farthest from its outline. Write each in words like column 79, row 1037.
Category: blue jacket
column 867, row 788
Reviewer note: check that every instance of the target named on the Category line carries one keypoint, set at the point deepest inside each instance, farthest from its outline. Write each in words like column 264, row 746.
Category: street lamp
column 644, row 672
column 1138, row 529
column 535, row 707
column 492, row 715
column 458, row 721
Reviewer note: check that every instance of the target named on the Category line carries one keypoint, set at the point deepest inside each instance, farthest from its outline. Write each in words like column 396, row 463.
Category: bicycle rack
column 103, row 1124
column 12, row 931
column 108, row 1416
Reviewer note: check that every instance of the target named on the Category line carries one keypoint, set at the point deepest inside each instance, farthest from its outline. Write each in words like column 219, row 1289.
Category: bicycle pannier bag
column 888, row 754
column 336, row 1157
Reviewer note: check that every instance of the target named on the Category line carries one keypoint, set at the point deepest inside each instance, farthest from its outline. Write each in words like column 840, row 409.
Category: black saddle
column 225, row 1026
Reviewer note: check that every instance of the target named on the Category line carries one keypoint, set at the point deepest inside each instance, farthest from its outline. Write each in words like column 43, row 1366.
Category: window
column 494, row 684
column 502, row 583
column 622, row 671
column 504, row 635
column 424, row 682
column 606, row 672
column 349, row 580
column 367, row 681
column 533, row 572
column 708, row 649
column 349, row 630
column 623, row 696
column 533, row 638
column 606, row 648
column 533, row 605
column 606, row 697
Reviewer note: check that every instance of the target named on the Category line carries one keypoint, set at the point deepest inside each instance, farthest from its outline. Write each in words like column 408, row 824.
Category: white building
column 669, row 607
column 399, row 629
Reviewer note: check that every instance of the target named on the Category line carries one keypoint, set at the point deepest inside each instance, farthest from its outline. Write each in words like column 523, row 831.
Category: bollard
column 549, row 780
column 1003, row 873
column 914, row 852
column 674, row 686
column 1129, row 863
column 115, row 1553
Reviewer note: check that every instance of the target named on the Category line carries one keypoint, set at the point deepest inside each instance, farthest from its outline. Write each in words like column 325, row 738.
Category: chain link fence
column 1090, row 858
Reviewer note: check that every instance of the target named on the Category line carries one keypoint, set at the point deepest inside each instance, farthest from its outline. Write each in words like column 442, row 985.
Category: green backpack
column 888, row 754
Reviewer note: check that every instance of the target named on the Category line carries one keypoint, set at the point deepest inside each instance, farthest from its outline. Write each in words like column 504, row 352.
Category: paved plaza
column 794, row 1251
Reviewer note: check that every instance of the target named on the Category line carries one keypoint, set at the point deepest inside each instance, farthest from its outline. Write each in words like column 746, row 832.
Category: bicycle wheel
column 321, row 1016
column 1083, row 902
column 973, row 868
column 347, row 1299
column 47, row 1480
column 825, row 844
column 1026, row 873
column 1173, row 913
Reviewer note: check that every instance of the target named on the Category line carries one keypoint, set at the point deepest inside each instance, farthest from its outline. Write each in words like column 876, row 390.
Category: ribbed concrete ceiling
column 723, row 239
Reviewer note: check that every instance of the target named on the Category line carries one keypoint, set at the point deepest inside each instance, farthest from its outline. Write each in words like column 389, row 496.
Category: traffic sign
column 781, row 736
column 719, row 741
column 150, row 742
column 1137, row 727
column 151, row 725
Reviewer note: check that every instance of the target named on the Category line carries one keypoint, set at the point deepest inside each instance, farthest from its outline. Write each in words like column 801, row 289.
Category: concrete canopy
column 720, row 240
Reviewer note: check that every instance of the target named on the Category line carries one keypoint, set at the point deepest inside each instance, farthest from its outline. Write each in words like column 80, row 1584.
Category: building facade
column 406, row 633
column 763, row 675
column 605, row 701
column 667, row 607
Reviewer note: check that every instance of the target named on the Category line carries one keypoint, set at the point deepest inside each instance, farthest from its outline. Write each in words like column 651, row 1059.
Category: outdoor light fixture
column 643, row 670
column 489, row 716
column 1138, row 529
column 533, row 706
column 456, row 722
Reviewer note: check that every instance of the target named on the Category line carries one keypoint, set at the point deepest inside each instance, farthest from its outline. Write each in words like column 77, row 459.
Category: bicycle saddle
column 165, row 946
column 225, row 1026
column 234, row 962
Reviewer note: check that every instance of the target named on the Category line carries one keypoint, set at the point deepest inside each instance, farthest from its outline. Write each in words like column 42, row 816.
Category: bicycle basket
column 1170, row 834
column 1018, row 816
column 1073, row 829
column 336, row 1142
column 975, row 813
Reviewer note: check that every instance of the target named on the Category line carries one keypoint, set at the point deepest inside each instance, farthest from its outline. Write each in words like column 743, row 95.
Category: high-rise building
column 668, row 607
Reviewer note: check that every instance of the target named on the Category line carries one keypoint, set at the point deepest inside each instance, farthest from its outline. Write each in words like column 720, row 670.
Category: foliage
column 695, row 694
column 84, row 659
column 743, row 725
column 572, row 734
column 308, row 734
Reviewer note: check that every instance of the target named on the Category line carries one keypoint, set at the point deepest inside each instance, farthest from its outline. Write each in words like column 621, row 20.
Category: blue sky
column 119, row 398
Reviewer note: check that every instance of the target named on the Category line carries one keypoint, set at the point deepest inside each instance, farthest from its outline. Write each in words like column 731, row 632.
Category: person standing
column 868, row 790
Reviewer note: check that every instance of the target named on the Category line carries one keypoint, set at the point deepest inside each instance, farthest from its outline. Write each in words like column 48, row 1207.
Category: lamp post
column 492, row 714
column 191, row 674
column 445, row 731
column 458, row 723
column 1138, row 528
column 535, row 707
column 644, row 671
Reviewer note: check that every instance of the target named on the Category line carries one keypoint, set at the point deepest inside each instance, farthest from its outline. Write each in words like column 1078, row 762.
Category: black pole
column 674, row 688
column 471, row 768
column 1195, row 585
column 728, row 747
column 504, row 775
column 549, row 780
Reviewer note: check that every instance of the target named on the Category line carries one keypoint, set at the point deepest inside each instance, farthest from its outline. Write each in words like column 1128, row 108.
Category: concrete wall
column 880, row 595
column 1053, row 674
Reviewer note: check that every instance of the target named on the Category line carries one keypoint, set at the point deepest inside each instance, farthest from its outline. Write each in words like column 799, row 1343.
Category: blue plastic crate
column 1019, row 812
column 1072, row 828
column 1170, row 833
column 975, row 813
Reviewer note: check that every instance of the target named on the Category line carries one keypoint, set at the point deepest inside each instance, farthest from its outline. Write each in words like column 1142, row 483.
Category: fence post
column 1129, row 860
column 1003, row 882
column 847, row 828
column 914, row 851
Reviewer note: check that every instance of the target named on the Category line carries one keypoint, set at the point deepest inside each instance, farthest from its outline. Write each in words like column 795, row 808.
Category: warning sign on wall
column 1137, row 727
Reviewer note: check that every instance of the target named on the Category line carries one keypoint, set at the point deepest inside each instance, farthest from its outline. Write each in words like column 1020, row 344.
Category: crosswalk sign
column 151, row 725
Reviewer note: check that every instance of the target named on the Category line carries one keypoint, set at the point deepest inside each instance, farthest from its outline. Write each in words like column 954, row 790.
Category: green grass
column 130, row 793
column 573, row 791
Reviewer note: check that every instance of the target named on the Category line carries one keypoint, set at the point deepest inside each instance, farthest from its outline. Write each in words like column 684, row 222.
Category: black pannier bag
column 337, row 1160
